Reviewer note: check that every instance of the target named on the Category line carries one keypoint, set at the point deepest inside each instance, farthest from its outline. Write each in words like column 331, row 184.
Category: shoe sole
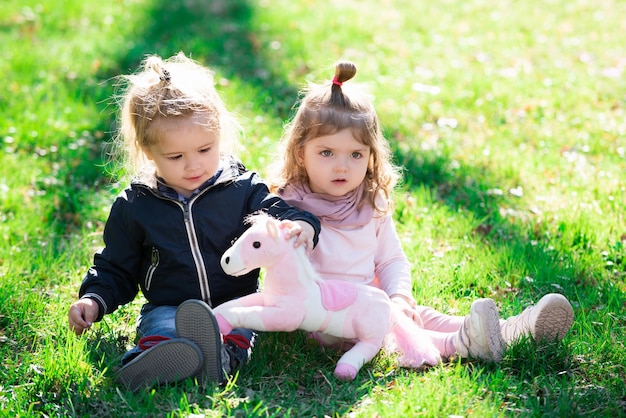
column 554, row 319
column 489, row 324
column 196, row 322
column 167, row 362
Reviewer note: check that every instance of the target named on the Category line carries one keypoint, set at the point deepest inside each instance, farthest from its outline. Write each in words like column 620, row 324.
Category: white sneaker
column 480, row 336
column 548, row 320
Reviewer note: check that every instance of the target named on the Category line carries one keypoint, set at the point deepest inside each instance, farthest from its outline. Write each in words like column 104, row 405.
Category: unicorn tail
column 414, row 345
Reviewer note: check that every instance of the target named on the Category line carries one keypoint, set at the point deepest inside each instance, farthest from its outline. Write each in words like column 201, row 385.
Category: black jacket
column 172, row 250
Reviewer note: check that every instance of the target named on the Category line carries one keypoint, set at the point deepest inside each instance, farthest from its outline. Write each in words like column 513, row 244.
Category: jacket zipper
column 196, row 253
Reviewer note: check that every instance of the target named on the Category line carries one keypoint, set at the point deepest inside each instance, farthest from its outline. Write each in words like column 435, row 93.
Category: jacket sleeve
column 262, row 200
column 392, row 267
column 111, row 280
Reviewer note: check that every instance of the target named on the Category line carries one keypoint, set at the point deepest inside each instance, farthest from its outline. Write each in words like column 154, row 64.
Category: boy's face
column 186, row 155
column 335, row 164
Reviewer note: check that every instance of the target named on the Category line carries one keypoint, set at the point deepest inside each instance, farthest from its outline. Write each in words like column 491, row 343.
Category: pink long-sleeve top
column 357, row 245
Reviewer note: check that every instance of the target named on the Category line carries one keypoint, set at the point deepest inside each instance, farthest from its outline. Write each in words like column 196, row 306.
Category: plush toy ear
column 272, row 228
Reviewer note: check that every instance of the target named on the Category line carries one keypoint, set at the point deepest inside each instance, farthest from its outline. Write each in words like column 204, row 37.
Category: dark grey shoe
column 167, row 362
column 196, row 322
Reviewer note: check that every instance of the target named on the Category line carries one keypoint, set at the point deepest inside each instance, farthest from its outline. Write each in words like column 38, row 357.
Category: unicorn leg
column 250, row 312
column 352, row 361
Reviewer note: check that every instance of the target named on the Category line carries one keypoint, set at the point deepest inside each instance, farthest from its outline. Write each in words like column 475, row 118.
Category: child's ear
column 147, row 153
column 300, row 155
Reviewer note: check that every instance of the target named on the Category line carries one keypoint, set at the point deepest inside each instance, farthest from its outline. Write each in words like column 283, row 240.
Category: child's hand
column 302, row 230
column 82, row 314
column 405, row 305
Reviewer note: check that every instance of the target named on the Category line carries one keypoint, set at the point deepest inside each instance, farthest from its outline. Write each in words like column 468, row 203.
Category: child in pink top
column 337, row 165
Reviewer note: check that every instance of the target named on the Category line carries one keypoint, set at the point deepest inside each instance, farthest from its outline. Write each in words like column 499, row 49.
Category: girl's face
column 186, row 155
column 335, row 164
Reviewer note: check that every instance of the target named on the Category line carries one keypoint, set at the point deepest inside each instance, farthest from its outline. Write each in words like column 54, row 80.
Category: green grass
column 508, row 117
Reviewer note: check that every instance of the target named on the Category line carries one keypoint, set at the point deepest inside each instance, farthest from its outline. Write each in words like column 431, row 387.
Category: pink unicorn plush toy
column 296, row 297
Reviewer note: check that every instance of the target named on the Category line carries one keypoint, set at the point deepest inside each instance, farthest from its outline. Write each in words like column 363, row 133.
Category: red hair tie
column 337, row 82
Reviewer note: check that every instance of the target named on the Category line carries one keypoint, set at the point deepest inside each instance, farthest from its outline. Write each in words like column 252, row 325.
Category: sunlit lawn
column 508, row 118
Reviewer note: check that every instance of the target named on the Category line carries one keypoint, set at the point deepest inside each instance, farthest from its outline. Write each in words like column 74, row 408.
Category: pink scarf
column 331, row 210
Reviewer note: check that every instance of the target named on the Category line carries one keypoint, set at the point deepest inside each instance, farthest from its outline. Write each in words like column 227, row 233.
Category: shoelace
column 238, row 340
column 151, row 340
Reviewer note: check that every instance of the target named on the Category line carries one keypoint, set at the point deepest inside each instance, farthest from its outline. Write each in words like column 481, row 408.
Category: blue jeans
column 161, row 320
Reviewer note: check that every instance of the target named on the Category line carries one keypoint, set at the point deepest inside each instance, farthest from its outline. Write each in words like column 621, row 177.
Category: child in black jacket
column 167, row 231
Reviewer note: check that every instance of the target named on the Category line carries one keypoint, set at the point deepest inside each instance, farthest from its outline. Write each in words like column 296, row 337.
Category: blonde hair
column 326, row 109
column 161, row 90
